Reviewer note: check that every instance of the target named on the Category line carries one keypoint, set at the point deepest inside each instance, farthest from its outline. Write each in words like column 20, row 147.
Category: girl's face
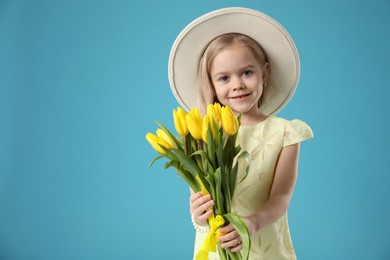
column 237, row 79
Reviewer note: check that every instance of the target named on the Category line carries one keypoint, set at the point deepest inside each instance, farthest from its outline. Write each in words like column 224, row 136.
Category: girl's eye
column 247, row 73
column 223, row 78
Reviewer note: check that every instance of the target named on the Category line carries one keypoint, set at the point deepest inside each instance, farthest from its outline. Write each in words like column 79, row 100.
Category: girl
column 247, row 61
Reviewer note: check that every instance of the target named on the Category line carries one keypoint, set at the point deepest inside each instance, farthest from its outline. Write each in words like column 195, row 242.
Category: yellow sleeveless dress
column 264, row 142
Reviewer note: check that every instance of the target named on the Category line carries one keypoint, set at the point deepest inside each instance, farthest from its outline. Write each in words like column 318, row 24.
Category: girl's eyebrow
column 249, row 66
column 219, row 73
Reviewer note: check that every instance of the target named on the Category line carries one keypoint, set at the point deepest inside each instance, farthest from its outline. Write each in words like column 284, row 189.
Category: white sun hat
column 277, row 43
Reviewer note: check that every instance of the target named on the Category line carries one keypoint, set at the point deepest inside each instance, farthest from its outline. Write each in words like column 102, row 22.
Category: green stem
column 184, row 138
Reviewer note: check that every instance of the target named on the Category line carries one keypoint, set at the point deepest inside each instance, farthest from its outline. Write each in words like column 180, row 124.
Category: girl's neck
column 250, row 119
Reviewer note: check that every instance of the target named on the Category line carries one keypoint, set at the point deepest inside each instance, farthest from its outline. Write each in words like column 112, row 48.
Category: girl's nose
column 238, row 84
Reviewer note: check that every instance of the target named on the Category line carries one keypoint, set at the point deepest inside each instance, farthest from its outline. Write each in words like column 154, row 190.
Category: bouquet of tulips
column 206, row 157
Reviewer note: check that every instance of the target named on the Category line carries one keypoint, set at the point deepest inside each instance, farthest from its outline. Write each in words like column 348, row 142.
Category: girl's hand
column 231, row 239
column 201, row 207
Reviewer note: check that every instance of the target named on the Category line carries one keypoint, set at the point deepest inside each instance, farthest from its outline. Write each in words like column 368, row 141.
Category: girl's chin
column 239, row 109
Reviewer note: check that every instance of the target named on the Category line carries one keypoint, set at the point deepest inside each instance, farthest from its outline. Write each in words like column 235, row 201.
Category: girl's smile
column 239, row 97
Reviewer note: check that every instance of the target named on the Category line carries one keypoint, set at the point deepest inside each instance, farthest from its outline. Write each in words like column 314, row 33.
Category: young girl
column 247, row 61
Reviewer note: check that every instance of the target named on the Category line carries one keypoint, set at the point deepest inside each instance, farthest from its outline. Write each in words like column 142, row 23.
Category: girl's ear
column 266, row 71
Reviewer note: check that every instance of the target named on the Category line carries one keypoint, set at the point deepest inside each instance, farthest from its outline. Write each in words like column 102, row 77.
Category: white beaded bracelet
column 201, row 229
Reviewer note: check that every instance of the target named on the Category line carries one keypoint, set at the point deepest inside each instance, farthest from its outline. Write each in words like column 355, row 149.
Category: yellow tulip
column 217, row 108
column 159, row 140
column 179, row 117
column 212, row 110
column 194, row 123
column 207, row 122
column 161, row 133
column 229, row 121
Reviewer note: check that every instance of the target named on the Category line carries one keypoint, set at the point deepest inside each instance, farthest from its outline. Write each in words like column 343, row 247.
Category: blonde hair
column 206, row 92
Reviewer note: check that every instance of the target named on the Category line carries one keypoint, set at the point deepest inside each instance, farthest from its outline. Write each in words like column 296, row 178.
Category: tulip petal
column 155, row 141
column 194, row 123
column 229, row 121
column 164, row 136
column 180, row 121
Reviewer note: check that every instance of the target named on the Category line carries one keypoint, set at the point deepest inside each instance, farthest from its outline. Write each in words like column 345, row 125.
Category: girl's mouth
column 239, row 97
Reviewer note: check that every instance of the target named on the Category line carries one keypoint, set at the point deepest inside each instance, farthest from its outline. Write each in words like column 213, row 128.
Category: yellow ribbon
column 210, row 243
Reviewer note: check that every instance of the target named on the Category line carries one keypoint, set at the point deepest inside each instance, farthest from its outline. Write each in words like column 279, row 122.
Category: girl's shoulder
column 295, row 130
column 286, row 122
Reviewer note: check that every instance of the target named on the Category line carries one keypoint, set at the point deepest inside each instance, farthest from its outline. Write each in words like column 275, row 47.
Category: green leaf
column 226, row 254
column 187, row 176
column 211, row 180
column 233, row 173
column 226, row 192
column 227, row 151
column 237, row 149
column 205, row 159
column 239, row 123
column 168, row 152
column 233, row 180
column 191, row 181
column 199, row 152
column 218, row 133
column 246, row 156
column 234, row 256
column 186, row 161
column 222, row 252
column 187, row 144
column 211, row 147
column 218, row 152
column 193, row 146
column 239, row 119
column 242, row 230
column 155, row 159
column 218, row 193
column 175, row 164
column 210, row 168
column 205, row 182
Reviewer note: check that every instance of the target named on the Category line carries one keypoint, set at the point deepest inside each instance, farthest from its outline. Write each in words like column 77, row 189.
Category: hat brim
column 279, row 47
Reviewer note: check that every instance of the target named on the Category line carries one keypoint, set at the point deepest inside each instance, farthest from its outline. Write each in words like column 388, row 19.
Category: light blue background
column 81, row 83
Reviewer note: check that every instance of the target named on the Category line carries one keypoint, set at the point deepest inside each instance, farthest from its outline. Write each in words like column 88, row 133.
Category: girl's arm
column 276, row 206
column 282, row 189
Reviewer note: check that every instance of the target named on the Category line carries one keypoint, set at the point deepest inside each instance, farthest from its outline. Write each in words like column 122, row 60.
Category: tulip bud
column 207, row 124
column 229, row 121
column 156, row 141
column 217, row 108
column 162, row 135
column 215, row 115
column 194, row 123
column 179, row 118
